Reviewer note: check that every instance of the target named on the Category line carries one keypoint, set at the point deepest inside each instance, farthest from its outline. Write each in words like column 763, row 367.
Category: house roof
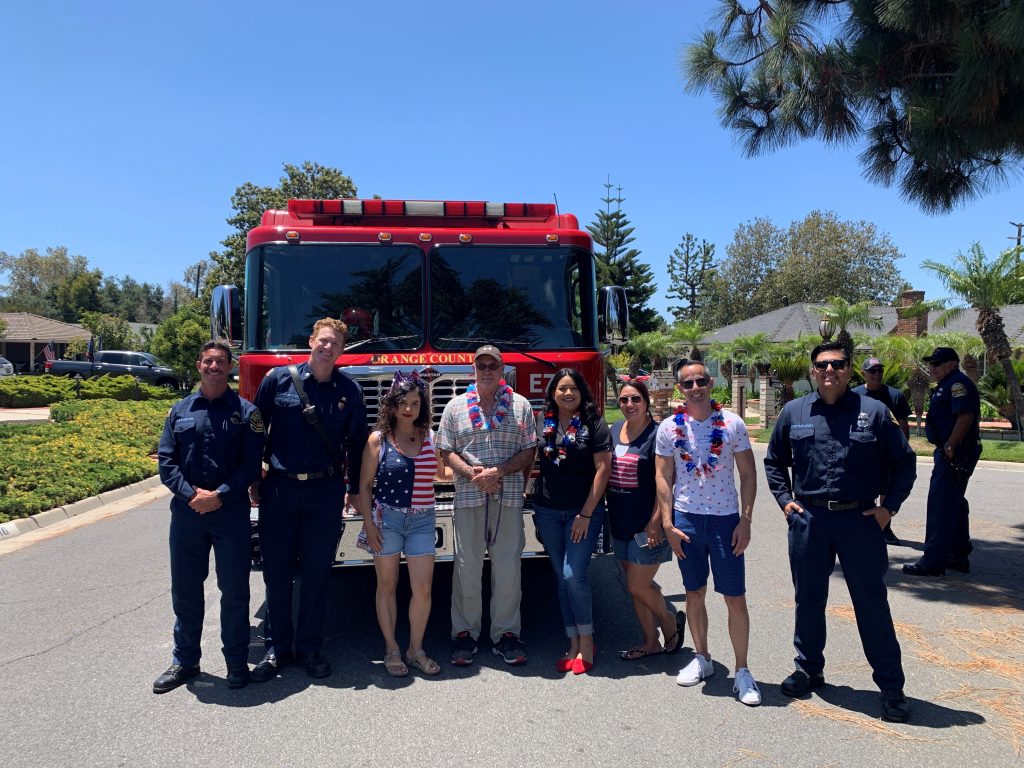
column 788, row 323
column 24, row 326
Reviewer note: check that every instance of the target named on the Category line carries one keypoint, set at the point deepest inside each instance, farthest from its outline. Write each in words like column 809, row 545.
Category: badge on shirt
column 863, row 421
column 256, row 421
column 341, row 404
column 958, row 390
column 236, row 418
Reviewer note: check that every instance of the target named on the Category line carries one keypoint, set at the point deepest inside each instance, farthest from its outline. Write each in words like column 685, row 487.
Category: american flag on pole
column 90, row 350
column 49, row 352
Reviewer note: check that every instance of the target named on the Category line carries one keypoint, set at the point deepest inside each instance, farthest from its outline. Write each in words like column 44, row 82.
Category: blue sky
column 128, row 125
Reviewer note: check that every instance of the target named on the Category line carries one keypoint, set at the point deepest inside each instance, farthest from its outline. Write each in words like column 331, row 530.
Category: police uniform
column 947, row 535
column 214, row 445
column 830, row 460
column 302, row 498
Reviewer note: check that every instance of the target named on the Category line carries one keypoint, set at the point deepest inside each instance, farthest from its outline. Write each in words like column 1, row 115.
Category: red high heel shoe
column 564, row 665
column 581, row 666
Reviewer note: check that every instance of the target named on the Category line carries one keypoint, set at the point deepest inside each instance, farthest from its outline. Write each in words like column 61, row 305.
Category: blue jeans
column 571, row 561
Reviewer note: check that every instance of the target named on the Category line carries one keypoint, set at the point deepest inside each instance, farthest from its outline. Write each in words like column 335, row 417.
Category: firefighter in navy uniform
column 209, row 453
column 954, row 413
column 303, row 495
column 828, row 457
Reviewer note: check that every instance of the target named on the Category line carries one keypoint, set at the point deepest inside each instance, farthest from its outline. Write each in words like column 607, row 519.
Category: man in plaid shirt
column 488, row 437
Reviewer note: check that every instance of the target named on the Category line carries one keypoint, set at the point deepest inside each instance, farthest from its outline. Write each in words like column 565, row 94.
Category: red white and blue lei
column 551, row 432
column 476, row 416
column 693, row 464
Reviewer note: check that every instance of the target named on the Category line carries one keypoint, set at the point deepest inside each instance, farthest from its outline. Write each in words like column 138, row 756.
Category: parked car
column 6, row 368
column 141, row 365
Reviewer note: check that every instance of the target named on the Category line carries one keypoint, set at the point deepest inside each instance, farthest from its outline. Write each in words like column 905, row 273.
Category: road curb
column 17, row 527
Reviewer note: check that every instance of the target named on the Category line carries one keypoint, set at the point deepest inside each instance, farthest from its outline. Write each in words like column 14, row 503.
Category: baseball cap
column 942, row 355
column 488, row 349
column 871, row 362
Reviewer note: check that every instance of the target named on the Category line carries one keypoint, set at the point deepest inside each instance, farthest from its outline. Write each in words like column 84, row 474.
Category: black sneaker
column 238, row 675
column 895, row 708
column 800, row 683
column 175, row 675
column 464, row 651
column 511, row 649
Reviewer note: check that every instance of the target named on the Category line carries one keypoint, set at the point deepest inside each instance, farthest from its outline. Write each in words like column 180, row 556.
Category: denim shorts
column 711, row 545
column 631, row 552
column 408, row 531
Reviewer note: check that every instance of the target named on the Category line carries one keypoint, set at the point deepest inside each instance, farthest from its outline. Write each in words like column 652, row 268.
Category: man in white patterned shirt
column 706, row 523
column 488, row 437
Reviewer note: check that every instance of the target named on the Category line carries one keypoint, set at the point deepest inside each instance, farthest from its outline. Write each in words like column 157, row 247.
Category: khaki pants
column 506, row 558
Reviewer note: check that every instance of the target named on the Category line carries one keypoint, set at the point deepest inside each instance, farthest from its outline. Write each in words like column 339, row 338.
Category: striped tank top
column 404, row 482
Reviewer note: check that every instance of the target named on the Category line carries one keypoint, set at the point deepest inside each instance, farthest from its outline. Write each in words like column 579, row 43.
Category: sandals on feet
column 394, row 665
column 674, row 643
column 423, row 663
column 637, row 653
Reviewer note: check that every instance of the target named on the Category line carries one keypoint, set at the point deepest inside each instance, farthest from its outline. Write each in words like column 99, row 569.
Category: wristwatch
column 947, row 447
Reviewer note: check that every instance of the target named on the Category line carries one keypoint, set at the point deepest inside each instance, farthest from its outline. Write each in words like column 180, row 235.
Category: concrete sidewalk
column 25, row 414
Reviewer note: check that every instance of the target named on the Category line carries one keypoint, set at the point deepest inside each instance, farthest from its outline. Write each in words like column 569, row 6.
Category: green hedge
column 36, row 391
column 92, row 446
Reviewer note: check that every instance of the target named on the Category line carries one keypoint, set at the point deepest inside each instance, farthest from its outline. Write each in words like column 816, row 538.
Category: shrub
column 37, row 391
column 721, row 394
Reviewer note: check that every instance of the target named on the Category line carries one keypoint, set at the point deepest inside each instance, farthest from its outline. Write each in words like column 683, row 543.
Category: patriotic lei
column 476, row 415
column 551, row 431
column 705, row 468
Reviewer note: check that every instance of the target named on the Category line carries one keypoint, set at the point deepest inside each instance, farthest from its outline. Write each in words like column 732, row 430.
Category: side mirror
column 226, row 316
column 613, row 315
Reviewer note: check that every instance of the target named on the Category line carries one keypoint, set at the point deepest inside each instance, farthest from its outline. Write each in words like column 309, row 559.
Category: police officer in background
column 209, row 453
column 825, row 465
column 873, row 386
column 952, row 425
column 303, row 495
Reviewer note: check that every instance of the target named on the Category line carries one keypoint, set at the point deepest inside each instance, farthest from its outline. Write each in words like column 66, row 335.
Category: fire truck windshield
column 377, row 291
column 533, row 297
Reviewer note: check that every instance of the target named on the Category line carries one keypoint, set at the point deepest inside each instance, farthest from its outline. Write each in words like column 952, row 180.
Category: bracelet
column 585, row 517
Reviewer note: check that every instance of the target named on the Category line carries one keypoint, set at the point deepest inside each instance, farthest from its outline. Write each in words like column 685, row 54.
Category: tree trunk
column 993, row 333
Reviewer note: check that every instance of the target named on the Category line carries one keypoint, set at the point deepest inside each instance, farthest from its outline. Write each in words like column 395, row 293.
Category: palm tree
column 652, row 347
column 688, row 335
column 753, row 351
column 789, row 369
column 845, row 315
column 986, row 286
column 724, row 352
column 907, row 352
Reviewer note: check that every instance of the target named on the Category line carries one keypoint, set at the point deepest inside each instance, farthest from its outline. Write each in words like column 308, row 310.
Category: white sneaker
column 698, row 669
column 745, row 688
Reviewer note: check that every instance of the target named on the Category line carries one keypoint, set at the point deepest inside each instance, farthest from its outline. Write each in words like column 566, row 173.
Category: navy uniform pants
column 192, row 535
column 816, row 538
column 947, row 531
column 300, row 522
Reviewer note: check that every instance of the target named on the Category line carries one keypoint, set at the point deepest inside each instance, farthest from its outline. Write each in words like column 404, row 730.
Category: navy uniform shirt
column 849, row 451
column 952, row 396
column 215, row 445
column 891, row 396
column 293, row 445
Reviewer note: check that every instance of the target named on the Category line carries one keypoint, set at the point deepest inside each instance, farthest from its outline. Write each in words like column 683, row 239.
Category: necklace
column 476, row 415
column 551, row 430
column 693, row 464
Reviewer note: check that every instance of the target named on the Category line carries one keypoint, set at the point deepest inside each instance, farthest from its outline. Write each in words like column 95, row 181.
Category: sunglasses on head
column 623, row 399
column 700, row 383
column 488, row 366
column 837, row 365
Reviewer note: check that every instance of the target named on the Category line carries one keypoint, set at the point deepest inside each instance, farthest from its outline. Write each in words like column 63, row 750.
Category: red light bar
column 447, row 208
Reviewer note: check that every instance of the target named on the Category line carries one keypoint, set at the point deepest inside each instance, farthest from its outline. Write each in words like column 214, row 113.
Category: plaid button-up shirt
column 487, row 447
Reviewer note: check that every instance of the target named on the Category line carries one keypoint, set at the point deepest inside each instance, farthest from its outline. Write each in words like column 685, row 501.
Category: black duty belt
column 838, row 505
column 303, row 476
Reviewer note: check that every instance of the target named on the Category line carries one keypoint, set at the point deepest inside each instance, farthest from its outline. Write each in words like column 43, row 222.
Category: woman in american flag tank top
column 399, row 466
column 637, row 535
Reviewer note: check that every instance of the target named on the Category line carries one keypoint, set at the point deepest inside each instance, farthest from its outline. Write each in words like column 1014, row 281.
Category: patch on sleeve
column 256, row 421
column 958, row 390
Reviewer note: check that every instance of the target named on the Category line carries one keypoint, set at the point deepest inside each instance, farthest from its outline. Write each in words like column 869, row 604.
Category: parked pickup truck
column 142, row 365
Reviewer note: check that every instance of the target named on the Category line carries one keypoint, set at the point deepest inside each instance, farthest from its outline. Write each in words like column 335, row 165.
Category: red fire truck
column 421, row 284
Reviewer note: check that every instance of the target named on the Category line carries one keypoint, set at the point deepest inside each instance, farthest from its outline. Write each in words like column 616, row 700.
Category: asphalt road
column 85, row 622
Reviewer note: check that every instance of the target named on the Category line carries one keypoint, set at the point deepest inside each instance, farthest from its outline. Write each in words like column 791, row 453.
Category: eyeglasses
column 691, row 383
column 488, row 366
column 837, row 365
column 630, row 399
column 875, row 370
column 934, row 364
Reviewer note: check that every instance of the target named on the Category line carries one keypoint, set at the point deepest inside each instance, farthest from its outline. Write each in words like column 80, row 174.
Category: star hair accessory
column 413, row 376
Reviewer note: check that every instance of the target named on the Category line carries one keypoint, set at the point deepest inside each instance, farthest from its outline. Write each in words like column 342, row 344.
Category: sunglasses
column 488, row 366
column 630, row 399
column 837, row 365
column 877, row 370
column 691, row 383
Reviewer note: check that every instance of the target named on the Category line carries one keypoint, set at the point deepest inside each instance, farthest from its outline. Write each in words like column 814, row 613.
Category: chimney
column 911, row 327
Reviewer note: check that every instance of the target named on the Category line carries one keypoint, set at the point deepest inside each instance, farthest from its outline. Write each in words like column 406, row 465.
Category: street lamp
column 827, row 329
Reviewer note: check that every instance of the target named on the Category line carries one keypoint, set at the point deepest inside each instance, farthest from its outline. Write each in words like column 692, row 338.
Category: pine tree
column 689, row 272
column 619, row 265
